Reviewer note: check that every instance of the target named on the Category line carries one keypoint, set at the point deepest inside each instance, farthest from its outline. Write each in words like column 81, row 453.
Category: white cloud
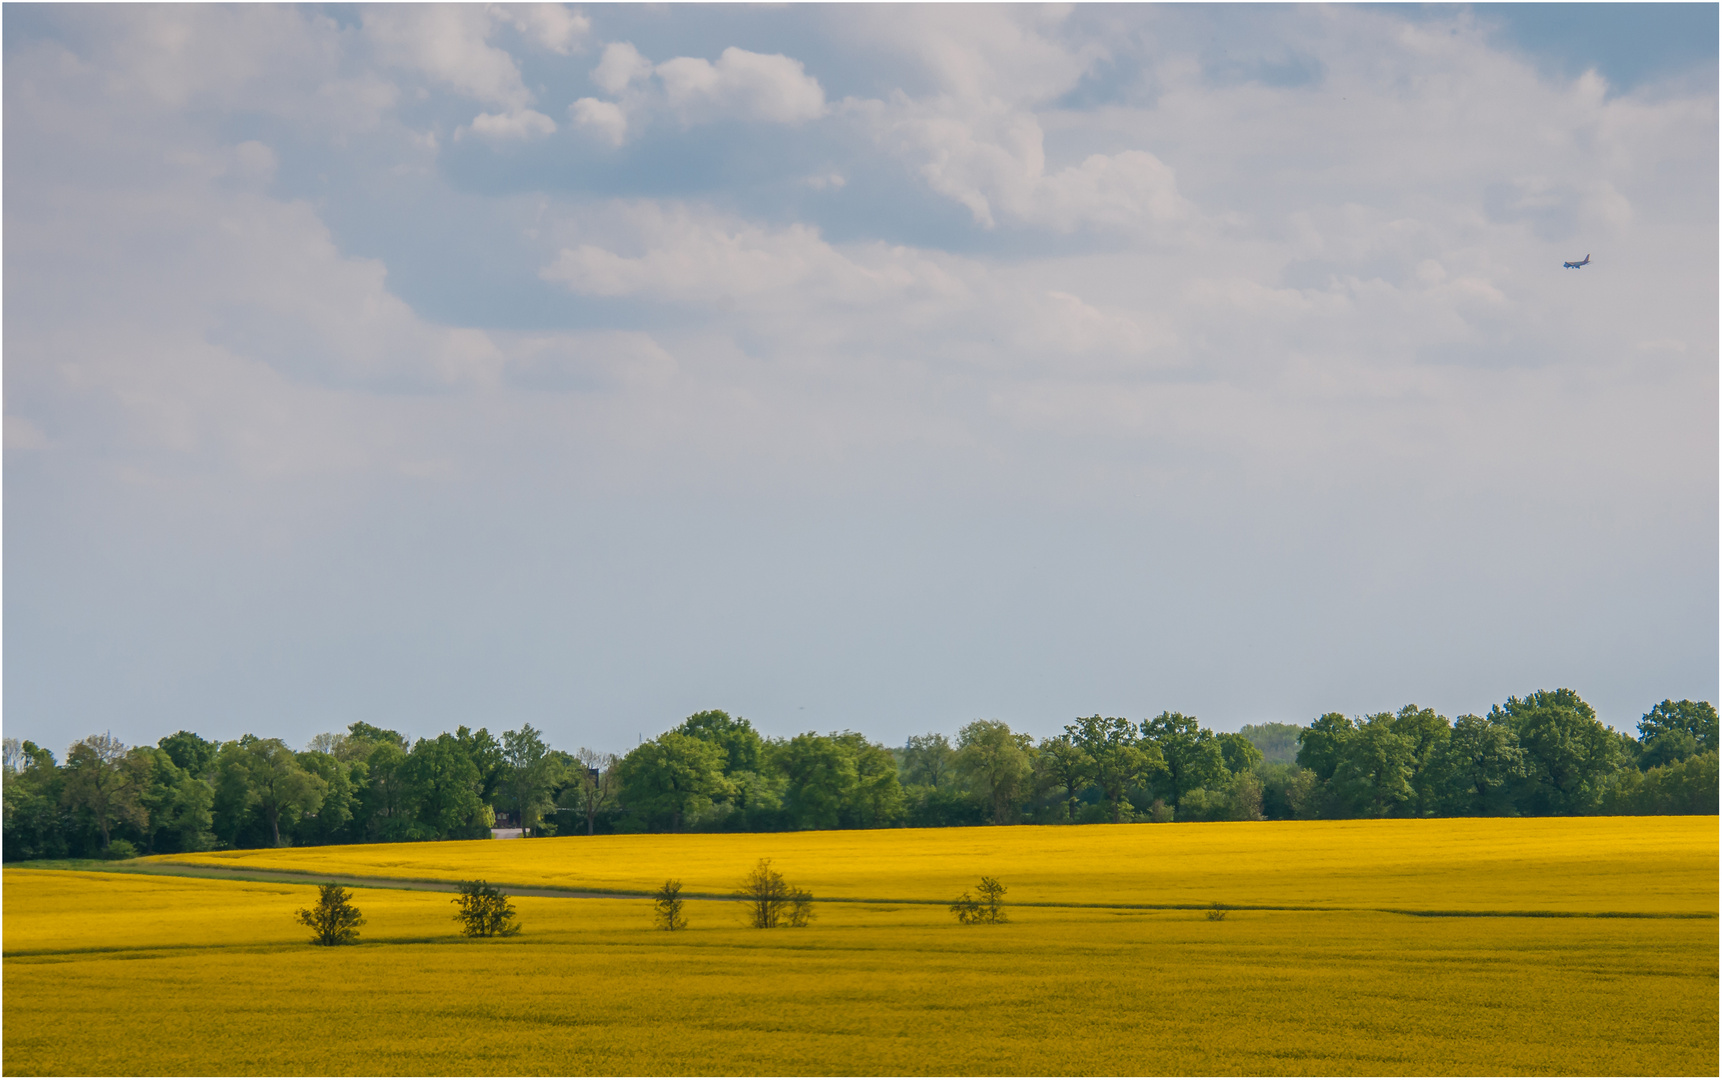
column 604, row 117
column 994, row 163
column 742, row 85
column 620, row 65
column 447, row 42
column 524, row 124
column 557, row 27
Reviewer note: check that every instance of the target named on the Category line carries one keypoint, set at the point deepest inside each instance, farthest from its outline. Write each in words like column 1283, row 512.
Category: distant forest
column 1544, row 754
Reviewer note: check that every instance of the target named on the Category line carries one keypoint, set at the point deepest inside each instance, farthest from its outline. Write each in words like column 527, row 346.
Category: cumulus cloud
column 524, row 124
column 620, row 65
column 604, row 117
column 557, row 27
column 742, row 85
column 447, row 42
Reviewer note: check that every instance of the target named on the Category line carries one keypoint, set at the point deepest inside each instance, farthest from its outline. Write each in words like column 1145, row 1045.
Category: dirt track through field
column 430, row 885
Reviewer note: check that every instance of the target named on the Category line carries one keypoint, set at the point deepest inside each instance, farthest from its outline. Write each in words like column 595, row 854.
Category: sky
column 868, row 367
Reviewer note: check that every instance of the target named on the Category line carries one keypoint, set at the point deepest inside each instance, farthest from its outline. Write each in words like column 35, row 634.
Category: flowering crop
column 1618, row 864
column 168, row 975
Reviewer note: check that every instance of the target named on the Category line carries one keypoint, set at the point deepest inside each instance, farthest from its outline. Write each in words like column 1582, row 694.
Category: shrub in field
column 484, row 911
column 1217, row 912
column 334, row 921
column 987, row 907
column 771, row 901
column 667, row 907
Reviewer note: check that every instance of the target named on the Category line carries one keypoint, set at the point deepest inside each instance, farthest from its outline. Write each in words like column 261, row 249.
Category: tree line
column 1542, row 754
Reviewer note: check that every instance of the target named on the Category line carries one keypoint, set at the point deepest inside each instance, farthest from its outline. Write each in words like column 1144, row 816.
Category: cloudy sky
column 851, row 366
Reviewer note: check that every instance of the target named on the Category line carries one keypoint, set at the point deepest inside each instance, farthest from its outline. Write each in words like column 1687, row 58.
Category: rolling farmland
column 190, row 975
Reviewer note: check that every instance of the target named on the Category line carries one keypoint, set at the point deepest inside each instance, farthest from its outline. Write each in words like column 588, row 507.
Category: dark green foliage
column 1685, row 787
column 1479, row 764
column 484, row 911
column 190, row 752
column 334, row 920
column 1238, row 752
column 672, row 777
column 986, row 906
column 667, row 907
column 997, row 765
column 743, row 749
column 928, row 760
column 1321, row 744
column 770, row 901
column 1676, row 730
column 1568, row 753
column 1545, row 753
column 1193, row 758
column 1119, row 760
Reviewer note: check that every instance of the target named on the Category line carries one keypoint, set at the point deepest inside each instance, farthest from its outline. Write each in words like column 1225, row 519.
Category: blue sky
column 869, row 367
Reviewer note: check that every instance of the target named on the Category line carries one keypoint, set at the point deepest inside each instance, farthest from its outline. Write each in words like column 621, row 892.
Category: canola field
column 1659, row 865
column 109, row 973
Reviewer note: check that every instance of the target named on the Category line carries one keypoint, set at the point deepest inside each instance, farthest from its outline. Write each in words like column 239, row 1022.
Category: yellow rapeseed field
column 114, row 973
column 1661, row 864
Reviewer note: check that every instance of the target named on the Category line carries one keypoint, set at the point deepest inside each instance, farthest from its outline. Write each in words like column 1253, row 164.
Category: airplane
column 1576, row 265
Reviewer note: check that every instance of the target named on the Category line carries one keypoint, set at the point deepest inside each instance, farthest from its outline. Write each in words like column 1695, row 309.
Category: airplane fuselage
column 1580, row 265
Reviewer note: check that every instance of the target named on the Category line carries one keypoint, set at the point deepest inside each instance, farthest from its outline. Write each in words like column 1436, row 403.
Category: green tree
column 1568, row 753
column 105, row 782
column 279, row 784
column 334, row 920
column 1192, row 754
column 770, row 901
column 743, row 749
column 985, row 907
column 190, row 752
column 667, row 907
column 366, row 733
column 178, row 806
column 998, row 765
column 488, row 757
column 483, row 910
column 35, row 826
column 876, row 800
column 445, row 787
column 1676, row 730
column 1479, row 763
column 343, row 785
column 530, row 775
column 1427, row 732
column 386, row 800
column 1320, row 746
column 1237, row 752
column 1373, row 777
column 1119, row 762
column 674, row 776
column 1065, row 765
column 594, row 784
column 928, row 759
column 820, row 774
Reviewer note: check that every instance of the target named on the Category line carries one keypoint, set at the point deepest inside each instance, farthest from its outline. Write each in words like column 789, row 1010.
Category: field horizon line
column 158, row 867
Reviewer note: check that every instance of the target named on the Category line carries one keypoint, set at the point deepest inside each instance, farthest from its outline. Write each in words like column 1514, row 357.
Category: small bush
column 771, row 901
column 484, row 911
column 1217, row 911
column 987, row 907
column 1159, row 812
column 121, row 849
column 334, row 921
column 667, row 907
